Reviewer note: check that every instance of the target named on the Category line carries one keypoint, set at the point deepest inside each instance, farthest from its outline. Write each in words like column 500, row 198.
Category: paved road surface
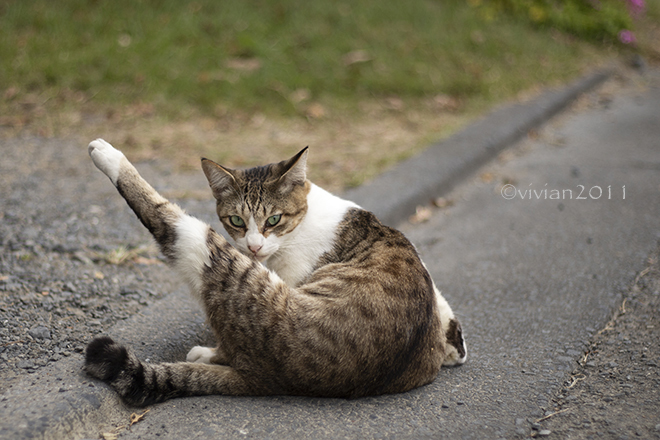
column 534, row 270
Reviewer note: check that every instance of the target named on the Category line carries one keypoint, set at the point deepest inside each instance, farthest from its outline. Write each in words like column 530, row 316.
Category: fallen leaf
column 357, row 56
column 146, row 261
column 508, row 181
column 394, row 103
column 124, row 40
column 487, row 177
column 244, row 64
column 422, row 214
column 315, row 111
column 442, row 202
column 446, row 103
column 300, row 95
column 10, row 93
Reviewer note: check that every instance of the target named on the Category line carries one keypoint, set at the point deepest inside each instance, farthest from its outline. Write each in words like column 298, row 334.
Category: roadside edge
column 395, row 193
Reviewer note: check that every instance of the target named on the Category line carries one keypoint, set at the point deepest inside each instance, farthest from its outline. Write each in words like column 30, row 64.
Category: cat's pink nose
column 255, row 248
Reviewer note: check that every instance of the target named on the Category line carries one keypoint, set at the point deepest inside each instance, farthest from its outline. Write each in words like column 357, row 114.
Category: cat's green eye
column 273, row 220
column 237, row 221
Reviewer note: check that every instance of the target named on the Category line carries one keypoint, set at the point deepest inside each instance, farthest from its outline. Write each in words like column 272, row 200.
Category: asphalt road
column 535, row 254
column 532, row 275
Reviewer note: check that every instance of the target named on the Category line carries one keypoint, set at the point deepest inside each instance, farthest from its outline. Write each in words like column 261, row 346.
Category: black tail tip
column 105, row 359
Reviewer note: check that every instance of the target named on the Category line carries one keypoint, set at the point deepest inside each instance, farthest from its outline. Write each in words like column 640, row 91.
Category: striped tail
column 141, row 384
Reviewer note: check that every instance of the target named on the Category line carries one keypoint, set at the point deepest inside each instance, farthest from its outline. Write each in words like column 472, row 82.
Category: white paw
column 200, row 355
column 106, row 158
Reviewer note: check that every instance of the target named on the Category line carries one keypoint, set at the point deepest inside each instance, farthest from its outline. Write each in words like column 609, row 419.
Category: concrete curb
column 395, row 194
column 61, row 401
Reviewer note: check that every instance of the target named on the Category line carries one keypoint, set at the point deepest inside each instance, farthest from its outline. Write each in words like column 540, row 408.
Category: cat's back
column 366, row 246
column 373, row 298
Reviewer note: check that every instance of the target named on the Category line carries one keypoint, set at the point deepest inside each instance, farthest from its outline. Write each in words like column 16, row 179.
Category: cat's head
column 455, row 349
column 259, row 206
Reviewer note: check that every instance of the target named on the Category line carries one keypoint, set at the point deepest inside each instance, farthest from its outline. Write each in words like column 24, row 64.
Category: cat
column 316, row 298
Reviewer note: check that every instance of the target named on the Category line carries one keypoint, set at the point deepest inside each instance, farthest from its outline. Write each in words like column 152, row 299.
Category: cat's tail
column 141, row 384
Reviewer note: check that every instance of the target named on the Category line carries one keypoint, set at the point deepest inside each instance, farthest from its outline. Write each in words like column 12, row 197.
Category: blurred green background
column 310, row 59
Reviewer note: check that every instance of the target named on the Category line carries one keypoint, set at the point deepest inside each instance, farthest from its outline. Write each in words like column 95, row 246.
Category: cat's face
column 259, row 206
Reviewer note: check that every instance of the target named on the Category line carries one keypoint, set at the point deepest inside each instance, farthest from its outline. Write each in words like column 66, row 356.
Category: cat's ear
column 221, row 180
column 294, row 171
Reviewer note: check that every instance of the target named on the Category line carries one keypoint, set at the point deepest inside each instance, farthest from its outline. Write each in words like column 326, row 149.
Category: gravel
column 64, row 232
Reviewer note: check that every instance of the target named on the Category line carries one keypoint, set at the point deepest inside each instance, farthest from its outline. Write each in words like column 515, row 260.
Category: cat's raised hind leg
column 182, row 239
column 190, row 245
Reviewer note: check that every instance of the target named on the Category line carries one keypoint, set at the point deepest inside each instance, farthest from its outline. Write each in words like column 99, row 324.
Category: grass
column 364, row 83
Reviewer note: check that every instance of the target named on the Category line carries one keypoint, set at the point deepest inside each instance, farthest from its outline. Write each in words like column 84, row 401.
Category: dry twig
column 641, row 274
column 550, row 415
column 584, row 358
column 576, row 379
column 136, row 418
column 114, row 434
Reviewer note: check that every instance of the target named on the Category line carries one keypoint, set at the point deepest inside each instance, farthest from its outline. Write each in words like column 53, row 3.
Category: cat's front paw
column 201, row 355
column 106, row 158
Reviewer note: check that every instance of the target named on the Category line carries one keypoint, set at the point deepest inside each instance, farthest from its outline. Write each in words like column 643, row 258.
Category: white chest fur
column 300, row 250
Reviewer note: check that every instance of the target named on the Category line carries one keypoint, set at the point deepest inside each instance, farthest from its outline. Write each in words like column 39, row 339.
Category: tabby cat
column 319, row 299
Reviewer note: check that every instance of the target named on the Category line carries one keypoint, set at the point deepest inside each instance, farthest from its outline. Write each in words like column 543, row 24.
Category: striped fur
column 331, row 302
